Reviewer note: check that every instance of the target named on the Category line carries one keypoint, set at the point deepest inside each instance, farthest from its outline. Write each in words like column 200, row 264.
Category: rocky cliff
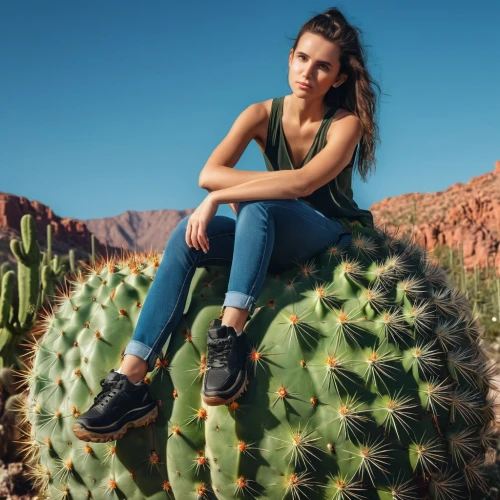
column 467, row 213
column 66, row 232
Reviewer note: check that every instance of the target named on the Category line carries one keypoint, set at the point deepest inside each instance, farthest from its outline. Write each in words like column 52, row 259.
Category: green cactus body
column 48, row 288
column 44, row 260
column 49, row 242
column 7, row 290
column 5, row 267
column 27, row 252
column 367, row 381
column 51, row 274
column 37, row 276
column 72, row 260
column 92, row 248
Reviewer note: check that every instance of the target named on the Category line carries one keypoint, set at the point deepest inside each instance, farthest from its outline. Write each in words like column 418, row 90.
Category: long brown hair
column 355, row 94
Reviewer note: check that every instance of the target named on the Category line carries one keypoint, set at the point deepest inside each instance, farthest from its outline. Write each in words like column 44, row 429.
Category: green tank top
column 334, row 199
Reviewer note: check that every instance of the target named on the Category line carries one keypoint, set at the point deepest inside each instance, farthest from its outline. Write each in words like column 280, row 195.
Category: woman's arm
column 286, row 184
column 231, row 186
column 217, row 177
column 218, row 172
column 234, row 206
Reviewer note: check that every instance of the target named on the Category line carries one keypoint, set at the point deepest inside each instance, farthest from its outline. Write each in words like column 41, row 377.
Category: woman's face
column 315, row 62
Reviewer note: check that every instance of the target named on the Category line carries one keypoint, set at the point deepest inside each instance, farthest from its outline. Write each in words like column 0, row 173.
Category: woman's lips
column 303, row 85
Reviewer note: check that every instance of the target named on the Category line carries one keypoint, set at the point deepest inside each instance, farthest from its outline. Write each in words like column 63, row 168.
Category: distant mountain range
column 147, row 230
column 467, row 213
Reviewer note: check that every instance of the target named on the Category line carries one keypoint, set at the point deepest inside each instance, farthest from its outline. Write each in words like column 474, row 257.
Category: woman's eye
column 304, row 57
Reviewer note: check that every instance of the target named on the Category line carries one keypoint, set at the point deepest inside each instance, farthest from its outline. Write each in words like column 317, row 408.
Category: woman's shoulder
column 341, row 113
column 262, row 112
column 259, row 112
column 342, row 117
column 263, row 108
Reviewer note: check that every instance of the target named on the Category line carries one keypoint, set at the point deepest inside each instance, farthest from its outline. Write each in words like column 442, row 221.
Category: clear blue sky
column 116, row 105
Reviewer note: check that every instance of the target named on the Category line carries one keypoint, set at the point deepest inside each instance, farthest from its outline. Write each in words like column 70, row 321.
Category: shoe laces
column 107, row 390
column 218, row 353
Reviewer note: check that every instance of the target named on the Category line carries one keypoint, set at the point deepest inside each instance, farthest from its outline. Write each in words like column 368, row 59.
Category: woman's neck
column 304, row 112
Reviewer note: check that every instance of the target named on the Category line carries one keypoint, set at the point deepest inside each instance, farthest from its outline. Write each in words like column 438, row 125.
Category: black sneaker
column 120, row 405
column 226, row 374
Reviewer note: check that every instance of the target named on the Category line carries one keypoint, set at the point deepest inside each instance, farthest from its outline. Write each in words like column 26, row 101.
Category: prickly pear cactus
column 367, row 381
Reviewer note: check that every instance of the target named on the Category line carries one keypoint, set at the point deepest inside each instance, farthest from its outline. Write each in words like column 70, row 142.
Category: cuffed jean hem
column 142, row 351
column 240, row 300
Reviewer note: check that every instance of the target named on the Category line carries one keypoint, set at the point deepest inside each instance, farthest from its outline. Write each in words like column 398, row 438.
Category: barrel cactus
column 367, row 380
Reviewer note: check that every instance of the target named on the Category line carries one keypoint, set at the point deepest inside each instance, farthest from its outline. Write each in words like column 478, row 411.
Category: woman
column 292, row 212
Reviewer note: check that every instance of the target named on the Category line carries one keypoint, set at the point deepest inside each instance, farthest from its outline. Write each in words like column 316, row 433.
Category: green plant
column 38, row 274
column 16, row 322
column 481, row 286
column 368, row 380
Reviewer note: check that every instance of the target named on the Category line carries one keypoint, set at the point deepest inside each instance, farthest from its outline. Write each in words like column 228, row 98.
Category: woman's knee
column 181, row 226
column 219, row 223
column 179, row 232
column 253, row 205
column 263, row 203
column 243, row 204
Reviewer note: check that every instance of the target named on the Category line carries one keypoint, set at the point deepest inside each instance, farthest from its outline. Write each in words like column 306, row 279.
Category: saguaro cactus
column 15, row 322
column 27, row 252
column 38, row 273
column 367, row 381
column 53, row 270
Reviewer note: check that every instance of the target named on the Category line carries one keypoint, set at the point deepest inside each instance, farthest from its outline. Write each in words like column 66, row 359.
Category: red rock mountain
column 467, row 213
column 67, row 233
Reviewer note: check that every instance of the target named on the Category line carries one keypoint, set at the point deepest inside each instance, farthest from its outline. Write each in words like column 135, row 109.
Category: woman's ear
column 340, row 80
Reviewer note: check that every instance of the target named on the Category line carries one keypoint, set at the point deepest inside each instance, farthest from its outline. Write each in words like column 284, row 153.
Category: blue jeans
column 267, row 236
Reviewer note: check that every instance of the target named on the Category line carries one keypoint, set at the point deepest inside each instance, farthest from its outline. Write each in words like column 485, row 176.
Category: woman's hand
column 234, row 206
column 196, row 231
